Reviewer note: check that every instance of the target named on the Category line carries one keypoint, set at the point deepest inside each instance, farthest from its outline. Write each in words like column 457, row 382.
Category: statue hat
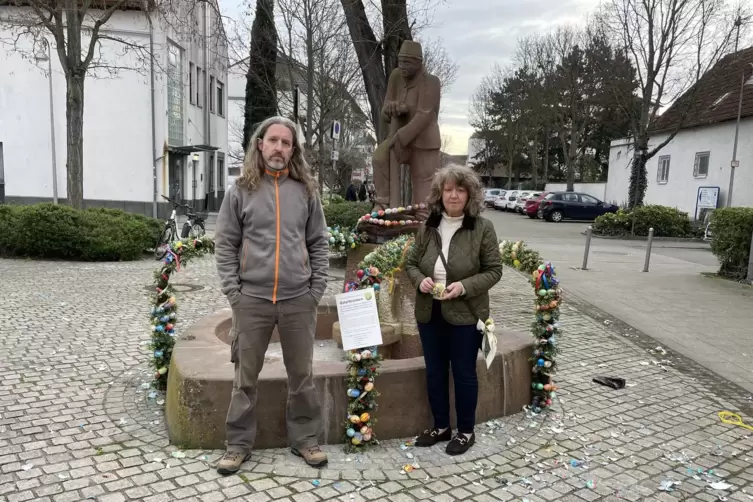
column 411, row 49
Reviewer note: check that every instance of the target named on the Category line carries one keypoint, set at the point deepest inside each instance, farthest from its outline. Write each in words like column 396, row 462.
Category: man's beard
column 275, row 163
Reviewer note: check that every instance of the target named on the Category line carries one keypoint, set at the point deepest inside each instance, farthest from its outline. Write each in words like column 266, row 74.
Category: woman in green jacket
column 454, row 263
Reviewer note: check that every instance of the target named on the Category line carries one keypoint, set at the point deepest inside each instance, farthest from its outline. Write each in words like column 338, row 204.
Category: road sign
column 335, row 155
column 735, row 163
column 335, row 132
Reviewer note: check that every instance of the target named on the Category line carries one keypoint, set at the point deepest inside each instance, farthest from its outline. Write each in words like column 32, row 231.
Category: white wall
column 117, row 119
column 681, row 189
column 597, row 190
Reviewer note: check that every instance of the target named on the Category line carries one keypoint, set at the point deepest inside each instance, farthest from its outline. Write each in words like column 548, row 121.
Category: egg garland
column 363, row 367
column 545, row 328
column 164, row 306
column 384, row 217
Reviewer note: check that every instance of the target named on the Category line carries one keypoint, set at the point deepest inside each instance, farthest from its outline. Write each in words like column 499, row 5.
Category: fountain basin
column 201, row 379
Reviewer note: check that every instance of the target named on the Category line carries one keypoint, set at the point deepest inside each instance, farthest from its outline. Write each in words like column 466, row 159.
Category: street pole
column 52, row 125
column 334, row 153
column 733, row 164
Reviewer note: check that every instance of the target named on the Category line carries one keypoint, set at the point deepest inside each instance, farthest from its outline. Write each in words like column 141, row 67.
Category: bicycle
column 193, row 228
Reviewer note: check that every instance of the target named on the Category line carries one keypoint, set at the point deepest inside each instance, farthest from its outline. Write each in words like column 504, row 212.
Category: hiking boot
column 430, row 437
column 231, row 462
column 313, row 455
column 460, row 444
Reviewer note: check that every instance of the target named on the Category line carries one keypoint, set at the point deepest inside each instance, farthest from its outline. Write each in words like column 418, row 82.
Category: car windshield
column 550, row 196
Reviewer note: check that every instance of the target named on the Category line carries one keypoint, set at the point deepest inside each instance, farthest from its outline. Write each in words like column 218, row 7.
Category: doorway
column 175, row 175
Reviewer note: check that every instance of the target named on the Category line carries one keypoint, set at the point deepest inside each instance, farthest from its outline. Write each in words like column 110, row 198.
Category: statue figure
column 411, row 108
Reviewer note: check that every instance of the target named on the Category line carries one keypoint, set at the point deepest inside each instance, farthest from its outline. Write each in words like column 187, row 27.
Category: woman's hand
column 453, row 291
column 426, row 285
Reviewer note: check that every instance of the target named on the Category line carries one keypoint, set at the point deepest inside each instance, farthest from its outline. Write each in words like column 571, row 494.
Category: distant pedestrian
column 362, row 193
column 351, row 194
column 272, row 259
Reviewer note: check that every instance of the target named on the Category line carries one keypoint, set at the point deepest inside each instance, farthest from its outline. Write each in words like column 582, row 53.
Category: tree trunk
column 571, row 155
column 74, row 115
column 535, row 163
column 396, row 31
column 310, row 62
column 638, row 174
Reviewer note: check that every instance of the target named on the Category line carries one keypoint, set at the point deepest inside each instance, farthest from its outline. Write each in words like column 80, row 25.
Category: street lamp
column 47, row 56
column 734, row 162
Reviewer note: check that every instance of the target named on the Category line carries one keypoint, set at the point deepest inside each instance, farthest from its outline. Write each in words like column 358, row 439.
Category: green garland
column 545, row 327
column 341, row 240
column 163, row 314
column 364, row 363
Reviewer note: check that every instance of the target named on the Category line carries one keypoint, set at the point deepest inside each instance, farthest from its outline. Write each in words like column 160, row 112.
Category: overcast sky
column 477, row 34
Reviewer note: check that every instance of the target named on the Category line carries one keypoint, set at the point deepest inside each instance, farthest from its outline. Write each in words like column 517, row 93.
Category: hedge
column 345, row 214
column 666, row 222
column 60, row 232
column 732, row 229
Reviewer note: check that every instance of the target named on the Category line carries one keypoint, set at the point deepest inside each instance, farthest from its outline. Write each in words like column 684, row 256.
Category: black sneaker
column 460, row 444
column 431, row 437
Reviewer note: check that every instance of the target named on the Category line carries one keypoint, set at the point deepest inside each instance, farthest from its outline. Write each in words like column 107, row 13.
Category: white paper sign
column 359, row 319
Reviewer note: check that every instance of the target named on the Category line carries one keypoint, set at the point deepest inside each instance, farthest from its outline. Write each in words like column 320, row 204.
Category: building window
column 198, row 86
column 191, row 85
column 220, row 172
column 701, row 167
column 662, row 173
column 220, row 99
column 175, row 88
column 211, row 94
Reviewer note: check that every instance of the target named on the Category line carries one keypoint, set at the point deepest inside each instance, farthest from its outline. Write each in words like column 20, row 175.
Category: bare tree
column 672, row 43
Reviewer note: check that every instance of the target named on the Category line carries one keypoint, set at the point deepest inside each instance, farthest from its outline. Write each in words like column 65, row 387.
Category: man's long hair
column 253, row 163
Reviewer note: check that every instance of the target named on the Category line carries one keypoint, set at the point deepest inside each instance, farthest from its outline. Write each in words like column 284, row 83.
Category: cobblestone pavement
column 76, row 422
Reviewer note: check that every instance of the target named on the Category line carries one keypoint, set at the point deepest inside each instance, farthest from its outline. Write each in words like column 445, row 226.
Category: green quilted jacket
column 474, row 260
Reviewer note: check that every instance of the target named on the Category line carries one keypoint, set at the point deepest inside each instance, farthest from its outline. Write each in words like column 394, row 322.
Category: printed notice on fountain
column 359, row 319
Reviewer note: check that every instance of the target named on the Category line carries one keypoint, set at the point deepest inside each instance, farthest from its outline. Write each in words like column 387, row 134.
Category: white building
column 177, row 134
column 700, row 155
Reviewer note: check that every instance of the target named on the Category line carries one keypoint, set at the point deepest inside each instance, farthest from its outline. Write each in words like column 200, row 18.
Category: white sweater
column 447, row 228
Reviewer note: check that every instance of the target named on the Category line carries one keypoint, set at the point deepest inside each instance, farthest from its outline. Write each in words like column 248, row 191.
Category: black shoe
column 431, row 437
column 460, row 444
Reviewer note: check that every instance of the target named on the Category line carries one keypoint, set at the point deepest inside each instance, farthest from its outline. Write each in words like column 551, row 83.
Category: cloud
column 479, row 33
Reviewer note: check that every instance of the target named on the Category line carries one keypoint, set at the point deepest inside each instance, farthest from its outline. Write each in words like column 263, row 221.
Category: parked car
column 523, row 199
column 508, row 200
column 490, row 194
column 558, row 206
column 531, row 208
column 500, row 203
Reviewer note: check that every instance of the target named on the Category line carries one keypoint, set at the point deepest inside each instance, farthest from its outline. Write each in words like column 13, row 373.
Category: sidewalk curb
column 616, row 328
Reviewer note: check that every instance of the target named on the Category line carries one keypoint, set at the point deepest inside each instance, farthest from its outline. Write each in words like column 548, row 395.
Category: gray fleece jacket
column 272, row 243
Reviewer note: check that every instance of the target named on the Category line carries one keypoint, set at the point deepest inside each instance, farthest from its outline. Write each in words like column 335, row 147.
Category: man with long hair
column 272, row 260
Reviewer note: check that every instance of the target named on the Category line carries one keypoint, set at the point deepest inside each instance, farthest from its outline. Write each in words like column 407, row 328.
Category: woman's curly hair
column 462, row 176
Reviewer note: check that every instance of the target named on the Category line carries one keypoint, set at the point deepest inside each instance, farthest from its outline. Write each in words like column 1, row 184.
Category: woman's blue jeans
column 448, row 345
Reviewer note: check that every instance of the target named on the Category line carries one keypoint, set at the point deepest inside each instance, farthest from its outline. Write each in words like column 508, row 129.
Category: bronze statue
column 411, row 108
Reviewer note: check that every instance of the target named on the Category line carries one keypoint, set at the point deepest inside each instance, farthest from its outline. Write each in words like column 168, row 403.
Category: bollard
column 588, row 247
column 648, row 249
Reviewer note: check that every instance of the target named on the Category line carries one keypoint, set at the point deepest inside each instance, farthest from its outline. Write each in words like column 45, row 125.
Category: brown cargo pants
column 254, row 320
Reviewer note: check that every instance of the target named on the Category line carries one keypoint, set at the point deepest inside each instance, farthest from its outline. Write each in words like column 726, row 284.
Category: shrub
column 345, row 214
column 732, row 229
column 58, row 231
column 666, row 222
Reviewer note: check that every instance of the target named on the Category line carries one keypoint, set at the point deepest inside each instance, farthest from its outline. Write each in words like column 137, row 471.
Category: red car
column 532, row 205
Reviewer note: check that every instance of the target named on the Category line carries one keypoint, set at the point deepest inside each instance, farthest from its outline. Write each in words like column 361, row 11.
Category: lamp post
column 47, row 55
